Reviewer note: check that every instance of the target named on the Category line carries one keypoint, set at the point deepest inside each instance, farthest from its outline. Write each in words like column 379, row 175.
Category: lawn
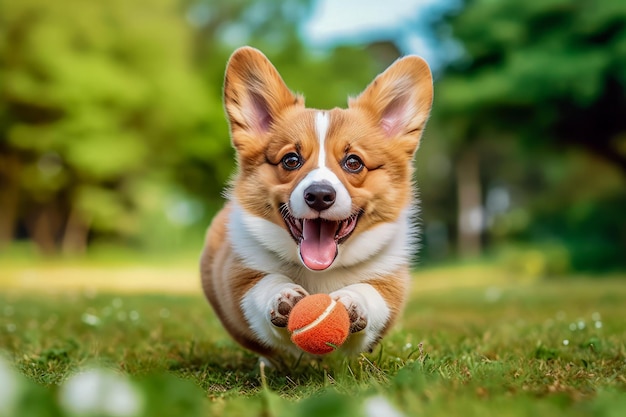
column 474, row 341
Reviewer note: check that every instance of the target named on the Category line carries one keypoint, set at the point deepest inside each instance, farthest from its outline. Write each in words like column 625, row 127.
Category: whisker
column 284, row 210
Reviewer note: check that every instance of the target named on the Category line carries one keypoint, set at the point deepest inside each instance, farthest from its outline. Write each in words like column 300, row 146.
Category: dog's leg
column 266, row 307
column 369, row 316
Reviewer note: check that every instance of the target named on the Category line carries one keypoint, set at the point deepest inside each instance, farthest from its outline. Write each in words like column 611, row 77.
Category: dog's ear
column 399, row 100
column 254, row 95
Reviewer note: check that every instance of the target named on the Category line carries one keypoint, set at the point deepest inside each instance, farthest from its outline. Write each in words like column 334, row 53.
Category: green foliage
column 553, row 71
column 537, row 95
column 588, row 232
column 94, row 102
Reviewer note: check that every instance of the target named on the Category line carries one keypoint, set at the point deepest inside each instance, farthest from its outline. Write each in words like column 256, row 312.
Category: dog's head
column 328, row 179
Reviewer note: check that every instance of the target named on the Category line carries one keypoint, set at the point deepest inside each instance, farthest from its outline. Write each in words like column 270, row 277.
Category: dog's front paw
column 356, row 311
column 281, row 305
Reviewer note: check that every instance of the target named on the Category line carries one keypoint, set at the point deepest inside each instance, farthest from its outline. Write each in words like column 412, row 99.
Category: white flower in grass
column 102, row 393
column 133, row 315
column 90, row 319
column 379, row 406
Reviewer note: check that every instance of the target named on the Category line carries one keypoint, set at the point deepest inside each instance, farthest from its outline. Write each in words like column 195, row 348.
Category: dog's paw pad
column 358, row 318
column 356, row 312
column 282, row 304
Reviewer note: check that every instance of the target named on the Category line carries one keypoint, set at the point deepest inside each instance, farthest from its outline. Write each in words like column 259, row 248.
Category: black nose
column 320, row 195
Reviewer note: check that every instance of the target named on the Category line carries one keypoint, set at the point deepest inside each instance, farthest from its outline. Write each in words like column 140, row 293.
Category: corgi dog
column 321, row 202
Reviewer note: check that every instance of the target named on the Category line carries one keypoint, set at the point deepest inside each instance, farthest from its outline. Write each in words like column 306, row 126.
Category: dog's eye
column 291, row 161
column 353, row 164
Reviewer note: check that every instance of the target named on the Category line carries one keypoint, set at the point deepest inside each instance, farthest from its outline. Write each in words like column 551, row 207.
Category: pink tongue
column 318, row 248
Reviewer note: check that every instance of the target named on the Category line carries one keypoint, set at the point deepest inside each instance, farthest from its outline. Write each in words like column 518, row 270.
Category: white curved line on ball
column 317, row 321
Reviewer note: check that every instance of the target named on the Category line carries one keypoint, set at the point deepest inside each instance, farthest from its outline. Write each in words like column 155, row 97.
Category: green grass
column 508, row 349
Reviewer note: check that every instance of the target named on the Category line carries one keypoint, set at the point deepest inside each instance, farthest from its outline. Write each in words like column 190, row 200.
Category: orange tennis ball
column 318, row 324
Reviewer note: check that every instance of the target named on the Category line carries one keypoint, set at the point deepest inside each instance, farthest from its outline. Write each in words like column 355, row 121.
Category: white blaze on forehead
column 321, row 127
column 342, row 208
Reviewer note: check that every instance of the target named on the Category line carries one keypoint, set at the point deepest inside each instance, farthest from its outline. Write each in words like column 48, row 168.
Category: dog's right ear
column 254, row 96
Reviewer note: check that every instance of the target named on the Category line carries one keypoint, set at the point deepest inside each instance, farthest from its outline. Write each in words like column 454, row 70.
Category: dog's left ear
column 399, row 100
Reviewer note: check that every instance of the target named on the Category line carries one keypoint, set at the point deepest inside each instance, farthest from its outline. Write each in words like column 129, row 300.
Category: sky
column 356, row 21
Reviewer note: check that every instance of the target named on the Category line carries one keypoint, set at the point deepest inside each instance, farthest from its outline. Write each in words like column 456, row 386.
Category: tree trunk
column 76, row 234
column 470, row 220
column 9, row 197
column 42, row 229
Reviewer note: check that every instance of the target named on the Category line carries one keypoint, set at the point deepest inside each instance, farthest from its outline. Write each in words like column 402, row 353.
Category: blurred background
column 113, row 141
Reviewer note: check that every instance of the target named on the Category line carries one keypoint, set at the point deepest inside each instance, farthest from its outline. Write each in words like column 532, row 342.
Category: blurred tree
column 95, row 98
column 549, row 76
column 552, row 70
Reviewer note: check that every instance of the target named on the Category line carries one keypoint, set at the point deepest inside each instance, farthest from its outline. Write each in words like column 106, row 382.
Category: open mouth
column 319, row 238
